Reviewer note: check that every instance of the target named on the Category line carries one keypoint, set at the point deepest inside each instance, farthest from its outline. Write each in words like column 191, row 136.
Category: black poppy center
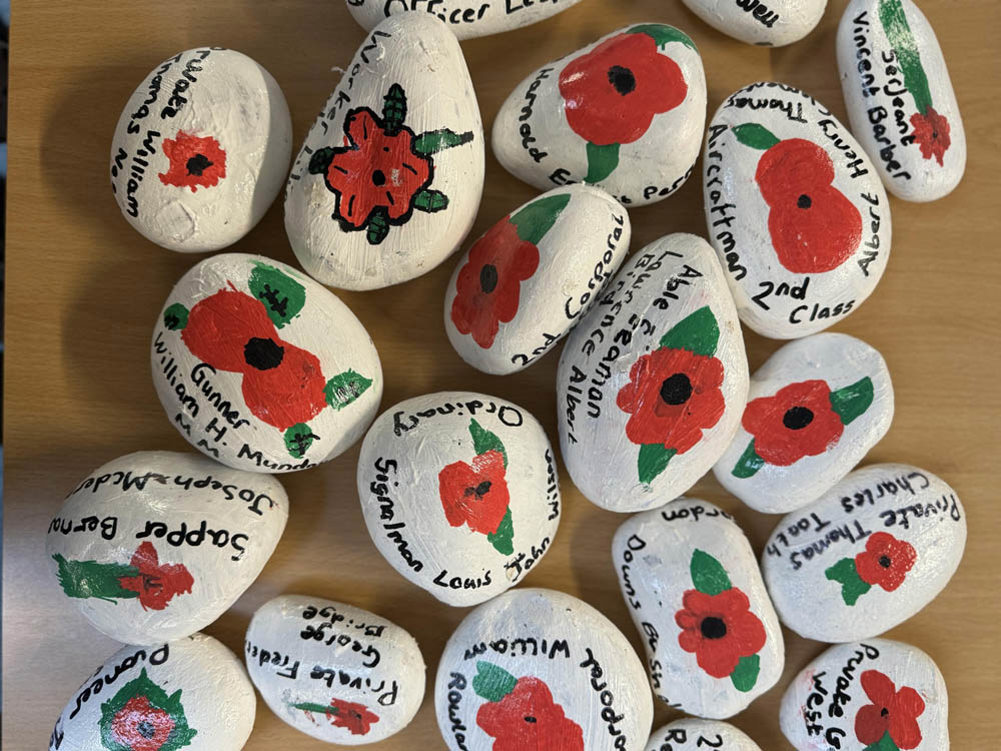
column 713, row 628
column 198, row 164
column 263, row 354
column 378, row 177
column 529, row 718
column 676, row 390
column 479, row 490
column 146, row 729
column 884, row 561
column 804, row 201
column 797, row 418
column 622, row 79
column 884, row 712
column 488, row 278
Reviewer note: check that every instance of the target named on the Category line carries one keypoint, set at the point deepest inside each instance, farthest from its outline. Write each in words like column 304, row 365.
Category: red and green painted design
column 890, row 722
column 799, row 420
column 884, row 563
column 384, row 170
column 143, row 577
column 476, row 494
column 813, row 226
column 142, row 717
column 356, row 718
column 931, row 130
column 718, row 626
column 283, row 385
column 488, row 286
column 612, row 94
column 521, row 714
column 195, row 162
column 674, row 393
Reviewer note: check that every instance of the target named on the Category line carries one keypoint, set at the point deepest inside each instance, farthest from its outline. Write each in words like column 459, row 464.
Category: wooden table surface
column 84, row 290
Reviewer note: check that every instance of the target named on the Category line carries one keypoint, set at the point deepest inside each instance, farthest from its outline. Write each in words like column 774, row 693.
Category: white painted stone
column 377, row 194
column 459, row 493
column 529, row 279
column 192, row 692
column 900, row 99
column 546, row 655
column 625, row 113
column 694, row 590
column 690, row 734
column 773, row 23
column 814, row 410
column 334, row 671
column 201, row 150
column 156, row 545
column 616, row 430
column 261, row 368
column 466, row 18
column 836, row 702
column 903, row 526
column 811, row 253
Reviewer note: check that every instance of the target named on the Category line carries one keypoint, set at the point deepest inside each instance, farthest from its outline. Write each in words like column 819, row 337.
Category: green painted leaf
column 307, row 706
column 430, row 201
column 142, row 687
column 845, row 573
column 434, row 141
column 653, row 459
column 698, row 333
column 883, row 744
column 491, row 682
column 378, row 227
column 745, row 675
column 484, row 440
column 85, row 579
column 344, row 388
column 537, row 218
column 898, row 32
column 708, row 574
column 503, row 538
column 663, row 34
column 298, row 439
column 394, row 108
column 749, row 463
column 851, row 401
column 282, row 296
column 754, row 135
column 175, row 317
column 601, row 161
column 319, row 163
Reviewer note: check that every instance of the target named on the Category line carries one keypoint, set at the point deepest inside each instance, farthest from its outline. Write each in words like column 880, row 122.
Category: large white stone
column 689, row 734
column 767, row 23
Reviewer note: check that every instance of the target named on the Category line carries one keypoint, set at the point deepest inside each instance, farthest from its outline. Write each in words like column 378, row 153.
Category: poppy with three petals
column 885, row 561
column 931, row 134
column 475, row 494
column 719, row 629
column 796, row 422
column 892, row 712
column 195, row 162
column 156, row 583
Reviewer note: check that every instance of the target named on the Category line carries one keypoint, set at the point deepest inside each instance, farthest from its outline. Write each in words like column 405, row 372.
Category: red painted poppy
column 139, row 726
column 156, row 584
column 220, row 325
column 672, row 395
column 528, row 719
column 797, row 421
column 284, row 384
column 194, row 162
column 356, row 718
column 489, row 285
column 885, row 561
column 719, row 629
column 475, row 495
column 612, row 93
column 894, row 712
column 931, row 134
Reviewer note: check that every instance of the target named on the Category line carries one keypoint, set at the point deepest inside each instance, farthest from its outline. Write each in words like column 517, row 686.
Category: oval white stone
column 580, row 234
column 359, row 219
column 552, row 653
column 196, row 680
column 690, row 734
column 846, row 388
column 666, row 312
column 156, row 545
column 262, row 368
column 880, row 43
column 307, row 655
column 901, row 513
column 792, row 271
column 676, row 561
column 201, row 150
column 821, row 706
column 768, row 23
column 558, row 125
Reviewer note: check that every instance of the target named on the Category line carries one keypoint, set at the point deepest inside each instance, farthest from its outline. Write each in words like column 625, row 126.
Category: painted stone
column 262, row 368
column 388, row 181
column 652, row 383
column 867, row 555
column 190, row 694
column 466, row 18
column 774, row 23
column 201, row 150
column 156, row 545
column 625, row 113
column 690, row 734
column 334, row 671
column 459, row 493
column 693, row 588
column 536, row 668
column 525, row 283
column 875, row 695
column 814, row 410
column 796, row 211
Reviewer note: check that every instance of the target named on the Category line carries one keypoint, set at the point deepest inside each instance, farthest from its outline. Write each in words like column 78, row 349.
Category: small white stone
column 795, row 210
column 388, row 181
column 693, row 588
column 589, row 117
column 525, row 283
column 546, row 655
column 689, row 734
column 262, row 368
column 814, row 410
column 652, row 383
column 196, row 681
column 459, row 493
column 768, row 23
column 334, row 671
column 838, row 700
column 201, row 150
column 156, row 545
column 900, row 99
column 867, row 555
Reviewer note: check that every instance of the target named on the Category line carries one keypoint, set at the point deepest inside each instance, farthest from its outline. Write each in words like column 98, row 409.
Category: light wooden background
column 84, row 290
